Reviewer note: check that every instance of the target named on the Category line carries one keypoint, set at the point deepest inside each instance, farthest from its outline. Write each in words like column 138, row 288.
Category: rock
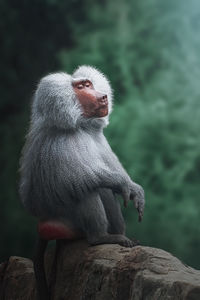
column 17, row 279
column 105, row 272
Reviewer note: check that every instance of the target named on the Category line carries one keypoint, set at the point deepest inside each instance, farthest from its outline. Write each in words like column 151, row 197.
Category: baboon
column 69, row 174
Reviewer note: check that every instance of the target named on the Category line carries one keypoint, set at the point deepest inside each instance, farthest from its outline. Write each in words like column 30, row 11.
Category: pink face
column 95, row 104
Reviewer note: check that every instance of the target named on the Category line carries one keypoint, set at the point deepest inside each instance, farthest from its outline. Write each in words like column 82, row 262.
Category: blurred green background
column 150, row 51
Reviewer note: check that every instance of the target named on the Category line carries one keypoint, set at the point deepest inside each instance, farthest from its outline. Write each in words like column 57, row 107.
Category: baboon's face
column 94, row 103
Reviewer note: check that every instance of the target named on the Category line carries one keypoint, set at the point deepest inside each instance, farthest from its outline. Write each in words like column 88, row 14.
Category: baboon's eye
column 80, row 86
column 88, row 84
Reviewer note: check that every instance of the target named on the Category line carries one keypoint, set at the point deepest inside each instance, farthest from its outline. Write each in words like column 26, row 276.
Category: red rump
column 55, row 230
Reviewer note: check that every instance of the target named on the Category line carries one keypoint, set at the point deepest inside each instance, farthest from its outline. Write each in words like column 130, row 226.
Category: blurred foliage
column 150, row 52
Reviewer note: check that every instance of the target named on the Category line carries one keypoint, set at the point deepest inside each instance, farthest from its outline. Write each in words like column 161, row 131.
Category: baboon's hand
column 137, row 195
column 135, row 192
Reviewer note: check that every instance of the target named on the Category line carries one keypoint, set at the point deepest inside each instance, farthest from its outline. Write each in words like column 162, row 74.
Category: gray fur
column 68, row 170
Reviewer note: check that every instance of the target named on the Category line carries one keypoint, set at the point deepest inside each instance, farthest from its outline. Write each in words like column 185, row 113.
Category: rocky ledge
column 104, row 272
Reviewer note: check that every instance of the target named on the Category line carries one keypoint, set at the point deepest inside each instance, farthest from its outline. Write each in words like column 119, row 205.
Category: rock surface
column 106, row 272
